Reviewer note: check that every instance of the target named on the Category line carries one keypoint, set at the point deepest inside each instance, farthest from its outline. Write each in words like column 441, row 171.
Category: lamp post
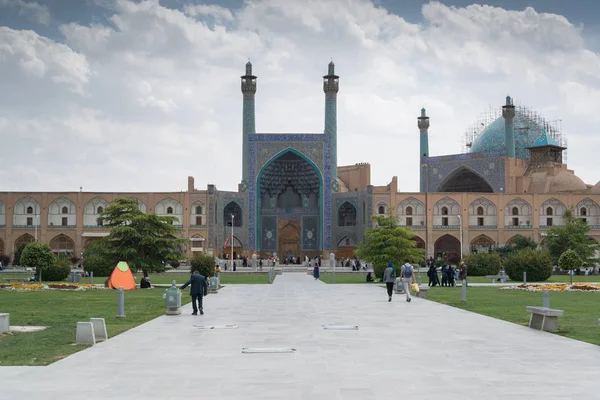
column 35, row 225
column 461, row 236
column 231, row 242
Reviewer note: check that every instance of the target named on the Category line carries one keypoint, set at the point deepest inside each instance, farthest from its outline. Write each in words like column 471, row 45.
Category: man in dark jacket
column 198, row 288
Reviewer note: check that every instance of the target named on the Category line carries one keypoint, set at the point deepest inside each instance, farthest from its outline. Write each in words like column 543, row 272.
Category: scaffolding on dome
column 530, row 119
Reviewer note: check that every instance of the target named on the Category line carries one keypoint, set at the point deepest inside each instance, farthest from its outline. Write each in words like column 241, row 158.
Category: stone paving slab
column 420, row 349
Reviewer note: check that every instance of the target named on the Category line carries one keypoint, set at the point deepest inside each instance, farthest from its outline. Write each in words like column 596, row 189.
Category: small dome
column 567, row 182
column 492, row 137
column 596, row 188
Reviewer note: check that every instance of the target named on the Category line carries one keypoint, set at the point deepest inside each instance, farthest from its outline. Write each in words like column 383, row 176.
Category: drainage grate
column 341, row 327
column 265, row 350
column 230, row 326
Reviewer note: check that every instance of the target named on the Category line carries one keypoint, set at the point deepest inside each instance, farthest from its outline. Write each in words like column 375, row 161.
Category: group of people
column 407, row 272
column 449, row 274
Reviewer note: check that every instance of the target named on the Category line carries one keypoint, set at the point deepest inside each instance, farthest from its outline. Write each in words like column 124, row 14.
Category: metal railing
column 412, row 226
column 197, row 226
column 517, row 226
column 26, row 226
column 446, row 227
column 483, row 226
column 62, row 226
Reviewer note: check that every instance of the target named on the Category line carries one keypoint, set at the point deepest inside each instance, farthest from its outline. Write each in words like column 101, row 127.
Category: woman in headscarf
column 316, row 270
column 389, row 277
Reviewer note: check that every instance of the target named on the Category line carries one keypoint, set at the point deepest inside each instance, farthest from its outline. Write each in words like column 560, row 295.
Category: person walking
column 198, row 288
column 407, row 272
column 316, row 270
column 462, row 274
column 389, row 277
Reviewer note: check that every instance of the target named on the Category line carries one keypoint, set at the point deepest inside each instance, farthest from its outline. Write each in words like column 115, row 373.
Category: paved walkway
column 418, row 350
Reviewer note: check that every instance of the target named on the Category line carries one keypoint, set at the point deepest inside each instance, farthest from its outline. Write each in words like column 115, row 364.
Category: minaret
column 423, row 124
column 248, row 126
column 331, row 86
column 508, row 112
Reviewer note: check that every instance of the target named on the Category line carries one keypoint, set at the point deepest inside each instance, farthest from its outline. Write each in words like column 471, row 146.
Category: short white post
column 4, row 322
column 85, row 333
column 464, row 290
column 99, row 328
column 525, row 277
column 91, row 277
column 546, row 297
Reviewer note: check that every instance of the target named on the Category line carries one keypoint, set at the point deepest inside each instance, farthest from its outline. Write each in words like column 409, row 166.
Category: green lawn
column 180, row 278
column 582, row 310
column 60, row 311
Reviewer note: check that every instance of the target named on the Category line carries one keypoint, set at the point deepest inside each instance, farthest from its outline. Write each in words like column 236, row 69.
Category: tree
column 570, row 261
column 97, row 261
column 572, row 236
column 145, row 241
column 204, row 264
column 38, row 255
column 524, row 242
column 388, row 242
column 537, row 264
column 17, row 255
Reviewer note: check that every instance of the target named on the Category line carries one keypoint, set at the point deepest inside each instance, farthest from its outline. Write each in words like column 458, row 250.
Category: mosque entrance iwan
column 289, row 204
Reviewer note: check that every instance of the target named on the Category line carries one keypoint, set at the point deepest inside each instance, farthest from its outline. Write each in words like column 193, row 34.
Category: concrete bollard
column 85, row 333
column 99, row 326
column 464, row 290
column 546, row 297
column 525, row 277
column 121, row 303
column 91, row 277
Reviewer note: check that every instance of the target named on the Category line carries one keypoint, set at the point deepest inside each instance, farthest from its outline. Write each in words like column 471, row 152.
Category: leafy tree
column 97, row 261
column 537, row 264
column 388, row 242
column 524, row 242
column 483, row 264
column 39, row 256
column 145, row 241
column 570, row 261
column 572, row 236
column 17, row 255
column 205, row 264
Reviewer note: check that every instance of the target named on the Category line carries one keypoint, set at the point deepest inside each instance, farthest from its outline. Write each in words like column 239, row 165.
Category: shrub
column 175, row 264
column 453, row 259
column 483, row 264
column 39, row 256
column 204, row 264
column 570, row 260
column 57, row 272
column 537, row 264
column 74, row 260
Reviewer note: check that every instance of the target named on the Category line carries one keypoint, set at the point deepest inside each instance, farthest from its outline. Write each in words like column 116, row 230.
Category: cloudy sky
column 119, row 95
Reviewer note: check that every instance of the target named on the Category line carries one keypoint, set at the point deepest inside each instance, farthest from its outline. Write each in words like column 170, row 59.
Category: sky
column 121, row 95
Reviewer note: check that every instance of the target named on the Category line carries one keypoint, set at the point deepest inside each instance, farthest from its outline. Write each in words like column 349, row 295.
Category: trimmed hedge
column 483, row 264
column 537, row 264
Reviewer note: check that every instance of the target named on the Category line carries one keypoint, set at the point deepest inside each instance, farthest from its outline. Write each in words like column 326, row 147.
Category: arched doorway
column 482, row 244
column 62, row 244
column 1, row 247
column 465, row 180
column 289, row 239
column 290, row 190
column 446, row 247
column 345, row 248
column 23, row 240
column 420, row 243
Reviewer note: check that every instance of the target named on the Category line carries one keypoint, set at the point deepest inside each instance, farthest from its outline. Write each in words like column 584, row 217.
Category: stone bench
column 544, row 319
column 423, row 290
column 502, row 278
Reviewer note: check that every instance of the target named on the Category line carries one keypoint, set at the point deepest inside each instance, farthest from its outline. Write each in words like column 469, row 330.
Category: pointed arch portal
column 465, row 180
column 289, row 199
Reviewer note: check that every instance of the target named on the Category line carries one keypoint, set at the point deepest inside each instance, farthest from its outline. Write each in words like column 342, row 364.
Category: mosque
column 294, row 199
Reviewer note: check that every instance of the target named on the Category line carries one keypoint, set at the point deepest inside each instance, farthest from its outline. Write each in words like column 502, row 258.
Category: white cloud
column 153, row 95
column 32, row 10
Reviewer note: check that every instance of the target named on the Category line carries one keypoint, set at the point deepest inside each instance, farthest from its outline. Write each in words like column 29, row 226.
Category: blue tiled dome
column 492, row 137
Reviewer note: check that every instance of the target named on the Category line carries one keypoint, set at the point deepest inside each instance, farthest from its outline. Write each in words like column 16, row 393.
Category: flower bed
column 556, row 287
column 28, row 287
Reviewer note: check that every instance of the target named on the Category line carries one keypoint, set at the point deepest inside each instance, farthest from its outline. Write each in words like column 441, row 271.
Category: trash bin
column 213, row 284
column 398, row 288
column 173, row 300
